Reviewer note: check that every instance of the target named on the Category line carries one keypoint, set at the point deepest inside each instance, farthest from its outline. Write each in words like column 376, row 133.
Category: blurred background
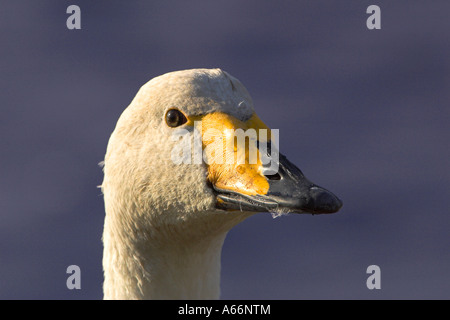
column 364, row 113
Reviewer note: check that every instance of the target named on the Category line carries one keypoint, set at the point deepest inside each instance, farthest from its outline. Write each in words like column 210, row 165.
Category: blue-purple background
column 364, row 113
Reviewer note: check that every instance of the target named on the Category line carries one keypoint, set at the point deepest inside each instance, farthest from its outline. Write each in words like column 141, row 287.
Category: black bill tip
column 321, row 200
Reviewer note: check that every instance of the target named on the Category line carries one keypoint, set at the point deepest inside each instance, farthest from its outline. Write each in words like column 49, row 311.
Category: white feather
column 162, row 234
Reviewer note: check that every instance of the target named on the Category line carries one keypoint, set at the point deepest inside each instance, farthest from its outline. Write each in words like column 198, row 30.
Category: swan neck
column 157, row 269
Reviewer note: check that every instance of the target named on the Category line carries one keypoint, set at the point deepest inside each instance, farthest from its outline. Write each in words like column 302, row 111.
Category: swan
column 166, row 219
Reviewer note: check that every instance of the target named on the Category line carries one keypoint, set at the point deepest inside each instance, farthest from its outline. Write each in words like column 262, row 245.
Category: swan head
column 171, row 164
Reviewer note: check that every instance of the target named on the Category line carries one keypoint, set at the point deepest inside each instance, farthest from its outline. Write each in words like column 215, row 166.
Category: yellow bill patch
column 231, row 154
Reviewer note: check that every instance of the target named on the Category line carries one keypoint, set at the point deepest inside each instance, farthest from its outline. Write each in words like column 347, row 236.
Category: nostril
column 275, row 176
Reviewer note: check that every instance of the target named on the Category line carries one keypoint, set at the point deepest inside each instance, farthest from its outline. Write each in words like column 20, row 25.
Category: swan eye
column 175, row 118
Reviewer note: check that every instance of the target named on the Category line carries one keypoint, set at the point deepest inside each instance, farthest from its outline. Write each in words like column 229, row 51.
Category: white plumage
column 163, row 231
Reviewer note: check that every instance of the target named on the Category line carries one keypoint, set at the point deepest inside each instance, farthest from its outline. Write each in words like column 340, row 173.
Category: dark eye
column 175, row 118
